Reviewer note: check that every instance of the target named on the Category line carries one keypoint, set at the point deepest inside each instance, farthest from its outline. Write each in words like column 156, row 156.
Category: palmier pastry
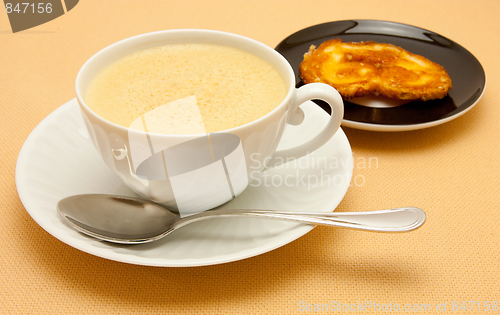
column 358, row 69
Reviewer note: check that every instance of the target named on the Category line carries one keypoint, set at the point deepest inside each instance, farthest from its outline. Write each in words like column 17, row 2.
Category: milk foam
column 185, row 89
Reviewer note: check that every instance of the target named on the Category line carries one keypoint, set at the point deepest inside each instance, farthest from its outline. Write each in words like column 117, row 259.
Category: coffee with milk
column 186, row 89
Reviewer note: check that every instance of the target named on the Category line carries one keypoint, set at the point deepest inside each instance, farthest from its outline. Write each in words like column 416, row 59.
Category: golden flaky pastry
column 358, row 69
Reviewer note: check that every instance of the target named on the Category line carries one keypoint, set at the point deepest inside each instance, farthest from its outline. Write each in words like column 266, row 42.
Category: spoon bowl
column 128, row 220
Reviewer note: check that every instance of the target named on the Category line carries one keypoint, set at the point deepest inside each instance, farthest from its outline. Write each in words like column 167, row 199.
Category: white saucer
column 58, row 160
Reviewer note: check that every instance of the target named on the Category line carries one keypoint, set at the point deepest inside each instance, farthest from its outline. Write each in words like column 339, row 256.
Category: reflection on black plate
column 467, row 74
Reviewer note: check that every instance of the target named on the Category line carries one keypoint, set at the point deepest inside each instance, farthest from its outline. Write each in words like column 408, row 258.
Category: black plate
column 467, row 74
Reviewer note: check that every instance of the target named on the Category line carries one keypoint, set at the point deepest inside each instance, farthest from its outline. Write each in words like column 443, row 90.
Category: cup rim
column 285, row 65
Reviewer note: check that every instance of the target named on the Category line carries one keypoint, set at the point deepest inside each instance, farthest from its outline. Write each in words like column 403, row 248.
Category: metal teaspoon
column 127, row 220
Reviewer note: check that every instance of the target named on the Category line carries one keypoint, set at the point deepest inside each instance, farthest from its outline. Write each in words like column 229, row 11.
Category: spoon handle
column 391, row 220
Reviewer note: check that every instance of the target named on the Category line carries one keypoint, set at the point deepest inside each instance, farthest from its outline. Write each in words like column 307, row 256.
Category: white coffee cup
column 193, row 173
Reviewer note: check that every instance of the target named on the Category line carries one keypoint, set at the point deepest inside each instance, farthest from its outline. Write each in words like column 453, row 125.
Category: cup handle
column 308, row 92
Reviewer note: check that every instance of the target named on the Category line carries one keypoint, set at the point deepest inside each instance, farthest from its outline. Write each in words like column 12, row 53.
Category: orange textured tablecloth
column 452, row 171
